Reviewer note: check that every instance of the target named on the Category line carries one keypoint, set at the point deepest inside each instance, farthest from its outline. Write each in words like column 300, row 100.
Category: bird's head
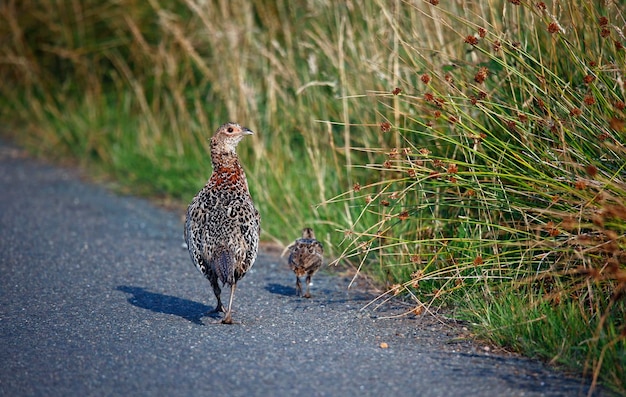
column 227, row 137
column 307, row 233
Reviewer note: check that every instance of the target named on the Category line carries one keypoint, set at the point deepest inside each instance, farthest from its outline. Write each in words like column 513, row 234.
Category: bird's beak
column 247, row 131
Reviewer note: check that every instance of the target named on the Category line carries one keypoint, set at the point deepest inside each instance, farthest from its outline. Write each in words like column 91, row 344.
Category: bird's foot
column 228, row 319
column 307, row 295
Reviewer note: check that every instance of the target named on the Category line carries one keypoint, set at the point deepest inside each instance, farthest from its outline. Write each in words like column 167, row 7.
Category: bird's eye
column 230, row 129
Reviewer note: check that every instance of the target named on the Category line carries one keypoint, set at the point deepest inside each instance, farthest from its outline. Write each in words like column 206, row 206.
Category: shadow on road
column 280, row 289
column 159, row 303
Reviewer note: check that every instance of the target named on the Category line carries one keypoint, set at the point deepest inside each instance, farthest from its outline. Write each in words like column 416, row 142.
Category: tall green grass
column 507, row 189
column 464, row 153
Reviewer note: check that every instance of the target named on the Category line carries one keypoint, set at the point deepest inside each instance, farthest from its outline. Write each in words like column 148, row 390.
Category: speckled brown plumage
column 222, row 226
column 306, row 256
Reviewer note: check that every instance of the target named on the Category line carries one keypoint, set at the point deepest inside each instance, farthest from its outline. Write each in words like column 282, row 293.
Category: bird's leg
column 217, row 291
column 308, row 283
column 219, row 307
column 298, row 287
column 228, row 319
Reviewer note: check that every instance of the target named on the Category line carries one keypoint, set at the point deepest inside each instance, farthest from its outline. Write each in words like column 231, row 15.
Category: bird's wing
column 193, row 234
column 315, row 257
column 295, row 254
column 318, row 247
column 245, row 237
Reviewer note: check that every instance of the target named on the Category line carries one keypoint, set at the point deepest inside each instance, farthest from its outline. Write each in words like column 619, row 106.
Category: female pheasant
column 306, row 256
column 222, row 226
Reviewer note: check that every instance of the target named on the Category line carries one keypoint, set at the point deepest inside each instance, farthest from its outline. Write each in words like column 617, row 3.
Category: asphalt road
column 98, row 297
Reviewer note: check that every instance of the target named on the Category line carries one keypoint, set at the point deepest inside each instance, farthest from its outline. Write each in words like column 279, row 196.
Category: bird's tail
column 224, row 264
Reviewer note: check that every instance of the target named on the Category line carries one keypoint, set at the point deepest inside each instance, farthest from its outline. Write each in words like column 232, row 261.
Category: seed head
column 575, row 112
column 481, row 76
column 511, row 125
column 553, row 28
column 471, row 39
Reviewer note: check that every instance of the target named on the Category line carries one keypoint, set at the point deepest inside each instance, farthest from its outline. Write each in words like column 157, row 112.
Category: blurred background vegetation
column 463, row 154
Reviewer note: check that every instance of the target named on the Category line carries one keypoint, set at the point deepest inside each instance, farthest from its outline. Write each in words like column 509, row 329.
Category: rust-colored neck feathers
column 227, row 171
